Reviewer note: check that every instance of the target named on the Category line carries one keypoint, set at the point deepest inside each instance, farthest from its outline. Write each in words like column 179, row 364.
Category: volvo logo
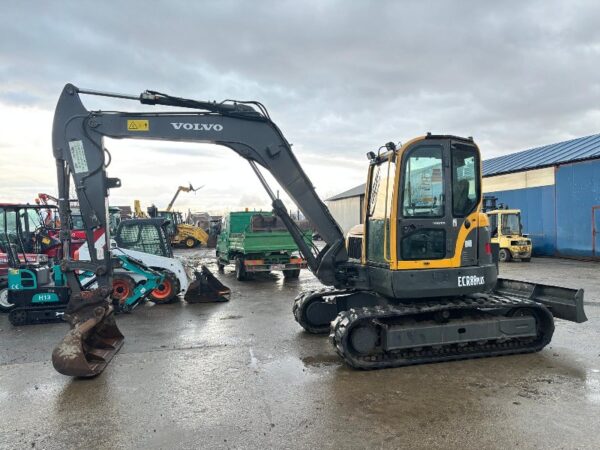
column 197, row 126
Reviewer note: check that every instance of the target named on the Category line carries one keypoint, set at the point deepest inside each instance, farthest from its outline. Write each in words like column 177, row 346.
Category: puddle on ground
column 288, row 369
column 321, row 360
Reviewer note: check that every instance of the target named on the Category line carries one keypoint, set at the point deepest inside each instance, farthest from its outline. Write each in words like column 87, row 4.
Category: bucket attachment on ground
column 91, row 343
column 206, row 288
column 563, row 303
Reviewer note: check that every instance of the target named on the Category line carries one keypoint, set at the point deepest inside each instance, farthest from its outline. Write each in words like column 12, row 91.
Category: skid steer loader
column 426, row 287
column 146, row 242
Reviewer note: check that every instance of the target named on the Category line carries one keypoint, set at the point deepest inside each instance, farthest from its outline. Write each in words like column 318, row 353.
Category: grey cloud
column 339, row 77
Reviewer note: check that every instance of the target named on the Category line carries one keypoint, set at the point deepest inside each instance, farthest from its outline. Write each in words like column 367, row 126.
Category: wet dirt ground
column 243, row 375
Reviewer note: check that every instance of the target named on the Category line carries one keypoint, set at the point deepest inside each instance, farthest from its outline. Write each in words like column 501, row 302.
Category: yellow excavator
column 424, row 289
column 180, row 233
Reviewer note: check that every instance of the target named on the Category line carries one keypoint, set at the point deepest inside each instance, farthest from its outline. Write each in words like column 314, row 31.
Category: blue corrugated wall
column 577, row 190
column 537, row 214
column 559, row 218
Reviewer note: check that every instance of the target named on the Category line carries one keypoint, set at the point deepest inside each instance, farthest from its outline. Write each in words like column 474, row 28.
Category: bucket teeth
column 90, row 344
column 206, row 288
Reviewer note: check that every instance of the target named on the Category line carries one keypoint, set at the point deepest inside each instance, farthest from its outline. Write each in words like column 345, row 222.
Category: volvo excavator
column 425, row 288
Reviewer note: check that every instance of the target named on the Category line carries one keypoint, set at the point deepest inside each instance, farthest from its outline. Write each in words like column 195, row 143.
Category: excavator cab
column 422, row 220
column 144, row 235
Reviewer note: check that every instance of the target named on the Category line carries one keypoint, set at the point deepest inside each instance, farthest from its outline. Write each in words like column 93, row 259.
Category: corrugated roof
column 354, row 192
column 587, row 147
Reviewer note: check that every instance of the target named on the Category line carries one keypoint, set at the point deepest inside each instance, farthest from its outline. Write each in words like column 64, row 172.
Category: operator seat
column 460, row 197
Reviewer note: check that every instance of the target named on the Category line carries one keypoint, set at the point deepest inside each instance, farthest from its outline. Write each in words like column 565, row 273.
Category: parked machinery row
column 33, row 288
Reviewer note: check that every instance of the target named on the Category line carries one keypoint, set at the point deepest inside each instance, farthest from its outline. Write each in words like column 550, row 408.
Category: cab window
column 511, row 224
column 465, row 180
column 8, row 230
column 141, row 237
column 423, row 183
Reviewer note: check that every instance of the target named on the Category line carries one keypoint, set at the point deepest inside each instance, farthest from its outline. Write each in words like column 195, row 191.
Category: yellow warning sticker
column 138, row 125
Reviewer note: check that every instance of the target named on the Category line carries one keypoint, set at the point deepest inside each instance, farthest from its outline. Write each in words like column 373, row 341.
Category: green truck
column 258, row 242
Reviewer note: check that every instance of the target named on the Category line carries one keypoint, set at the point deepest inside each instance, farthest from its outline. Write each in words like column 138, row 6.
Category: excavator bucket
column 563, row 303
column 206, row 288
column 90, row 344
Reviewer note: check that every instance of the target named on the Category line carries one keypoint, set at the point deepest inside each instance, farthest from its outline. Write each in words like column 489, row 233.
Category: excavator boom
column 78, row 148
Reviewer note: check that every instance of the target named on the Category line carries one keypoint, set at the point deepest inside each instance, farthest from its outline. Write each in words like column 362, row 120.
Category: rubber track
column 30, row 321
column 347, row 320
column 302, row 301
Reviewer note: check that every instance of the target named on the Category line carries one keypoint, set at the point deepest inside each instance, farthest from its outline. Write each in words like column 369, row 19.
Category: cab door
column 378, row 211
column 439, row 181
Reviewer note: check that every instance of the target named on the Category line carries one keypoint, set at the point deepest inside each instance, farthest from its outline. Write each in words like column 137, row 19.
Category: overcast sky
column 339, row 77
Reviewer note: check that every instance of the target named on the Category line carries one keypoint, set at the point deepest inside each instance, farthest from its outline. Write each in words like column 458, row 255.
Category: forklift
column 507, row 231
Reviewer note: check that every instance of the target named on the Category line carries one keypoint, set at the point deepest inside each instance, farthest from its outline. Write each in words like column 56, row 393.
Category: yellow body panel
column 185, row 231
column 477, row 219
column 137, row 210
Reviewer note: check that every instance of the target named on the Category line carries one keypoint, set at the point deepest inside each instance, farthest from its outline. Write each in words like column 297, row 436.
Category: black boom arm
column 244, row 127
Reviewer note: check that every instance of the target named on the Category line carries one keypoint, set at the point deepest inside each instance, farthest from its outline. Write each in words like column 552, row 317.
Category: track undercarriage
column 373, row 332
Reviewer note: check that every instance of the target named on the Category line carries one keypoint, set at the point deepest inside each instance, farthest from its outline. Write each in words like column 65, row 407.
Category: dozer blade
column 90, row 344
column 206, row 288
column 563, row 303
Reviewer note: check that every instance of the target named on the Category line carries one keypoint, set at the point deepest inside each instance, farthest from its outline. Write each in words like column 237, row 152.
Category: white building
column 347, row 207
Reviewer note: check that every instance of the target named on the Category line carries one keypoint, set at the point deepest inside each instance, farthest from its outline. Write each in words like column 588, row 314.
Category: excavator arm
column 189, row 188
column 244, row 127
